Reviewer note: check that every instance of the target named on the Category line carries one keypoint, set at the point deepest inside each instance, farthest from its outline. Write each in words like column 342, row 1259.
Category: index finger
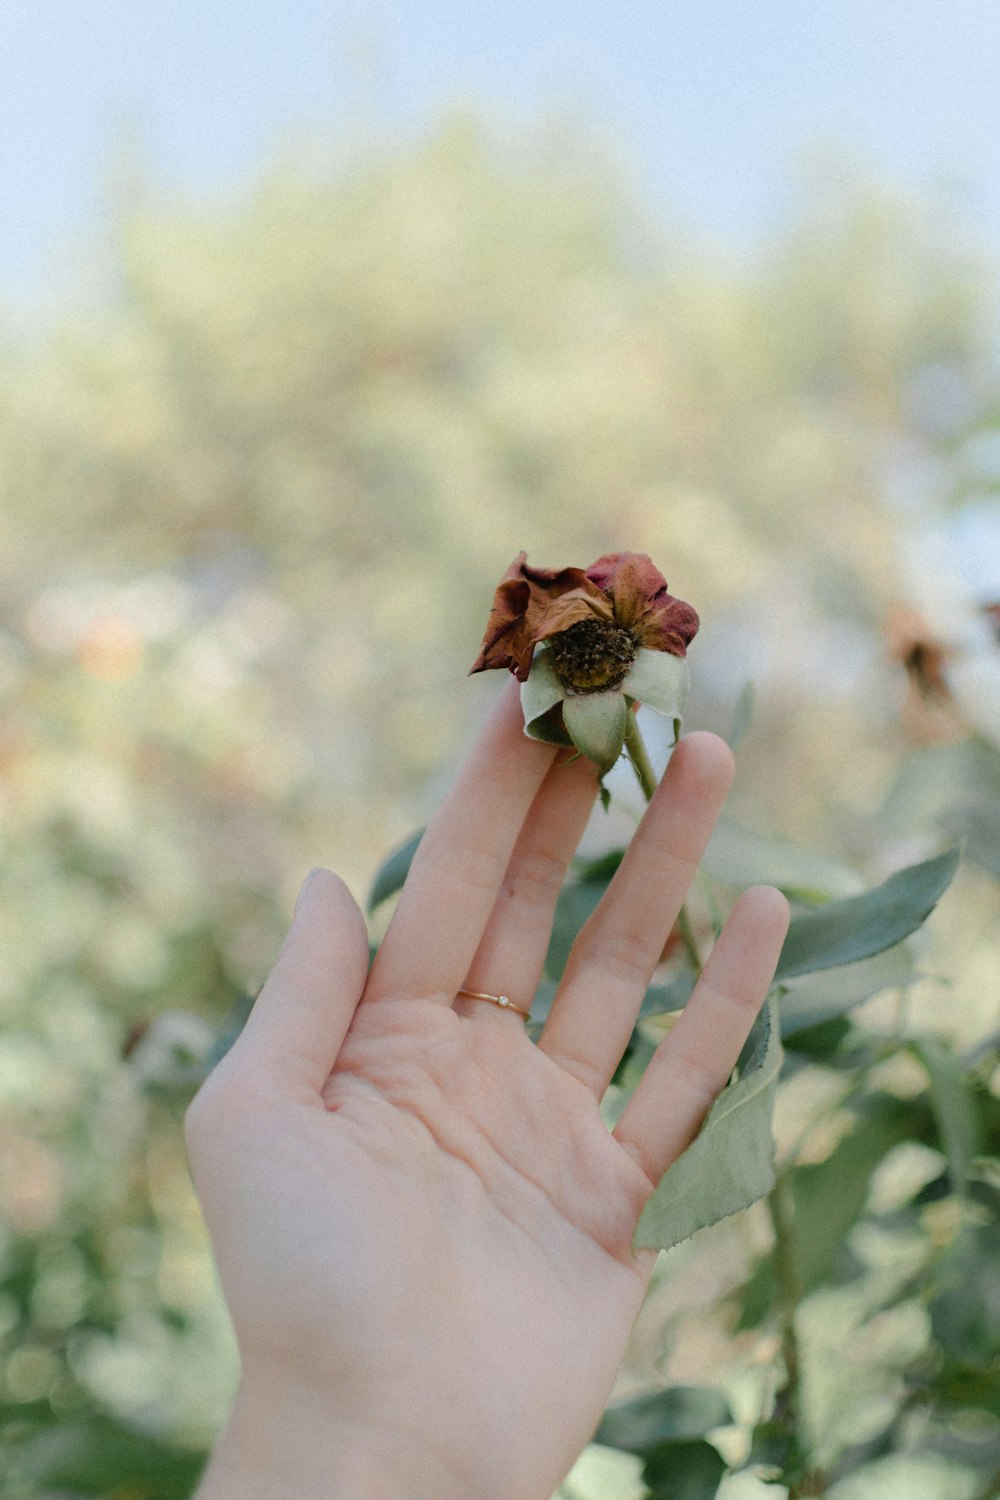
column 461, row 862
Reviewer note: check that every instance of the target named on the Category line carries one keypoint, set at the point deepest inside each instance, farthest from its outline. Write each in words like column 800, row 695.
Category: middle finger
column 612, row 961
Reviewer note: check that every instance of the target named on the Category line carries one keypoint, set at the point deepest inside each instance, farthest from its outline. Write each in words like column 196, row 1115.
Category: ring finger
column 511, row 952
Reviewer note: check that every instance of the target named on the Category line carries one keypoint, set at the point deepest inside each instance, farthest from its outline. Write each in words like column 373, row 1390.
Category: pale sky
column 710, row 102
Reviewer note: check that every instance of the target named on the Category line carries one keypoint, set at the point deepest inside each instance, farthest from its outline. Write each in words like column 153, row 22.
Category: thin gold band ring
column 504, row 1001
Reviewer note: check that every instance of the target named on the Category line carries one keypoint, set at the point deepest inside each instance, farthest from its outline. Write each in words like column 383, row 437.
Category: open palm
column 422, row 1224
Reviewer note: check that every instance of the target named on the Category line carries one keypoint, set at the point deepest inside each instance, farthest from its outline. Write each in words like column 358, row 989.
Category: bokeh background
column 311, row 317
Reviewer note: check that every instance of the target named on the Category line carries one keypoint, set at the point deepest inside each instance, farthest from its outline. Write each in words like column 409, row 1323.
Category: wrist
column 287, row 1440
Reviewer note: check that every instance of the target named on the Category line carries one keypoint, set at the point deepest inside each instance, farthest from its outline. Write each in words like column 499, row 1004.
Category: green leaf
column 843, row 932
column 682, row 1411
column 738, row 857
column 729, row 1164
column 683, row 1471
column 595, row 722
column 659, row 680
column 965, row 1301
column 742, row 716
column 829, row 1196
column 602, row 868
column 953, row 1104
column 810, row 999
column 393, row 872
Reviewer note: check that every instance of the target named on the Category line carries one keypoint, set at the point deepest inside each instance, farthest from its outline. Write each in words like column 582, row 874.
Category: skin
column 422, row 1225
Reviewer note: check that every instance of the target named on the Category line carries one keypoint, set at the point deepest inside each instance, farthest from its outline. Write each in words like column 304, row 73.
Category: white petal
column 596, row 724
column 659, row 680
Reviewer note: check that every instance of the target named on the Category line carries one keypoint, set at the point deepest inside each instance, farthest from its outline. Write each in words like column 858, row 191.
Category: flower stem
column 641, row 763
column 643, row 768
column 687, row 938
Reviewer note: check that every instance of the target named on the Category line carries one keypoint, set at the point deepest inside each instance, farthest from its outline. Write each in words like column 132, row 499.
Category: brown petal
column 532, row 604
column 638, row 592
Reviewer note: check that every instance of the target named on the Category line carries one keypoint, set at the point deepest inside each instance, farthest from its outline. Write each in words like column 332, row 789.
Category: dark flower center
column 592, row 656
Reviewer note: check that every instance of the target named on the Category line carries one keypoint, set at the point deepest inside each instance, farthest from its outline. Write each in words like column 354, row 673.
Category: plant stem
column 643, row 768
column 641, row 763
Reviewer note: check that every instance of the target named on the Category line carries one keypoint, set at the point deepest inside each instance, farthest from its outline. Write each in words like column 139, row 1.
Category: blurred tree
column 253, row 512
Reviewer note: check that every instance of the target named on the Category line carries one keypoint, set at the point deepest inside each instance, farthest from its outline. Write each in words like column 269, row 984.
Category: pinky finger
column 693, row 1063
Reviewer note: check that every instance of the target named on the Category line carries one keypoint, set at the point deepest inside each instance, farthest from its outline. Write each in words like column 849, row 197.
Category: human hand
column 422, row 1224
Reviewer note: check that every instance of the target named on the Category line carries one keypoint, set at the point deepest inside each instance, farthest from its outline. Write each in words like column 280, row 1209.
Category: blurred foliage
column 254, row 509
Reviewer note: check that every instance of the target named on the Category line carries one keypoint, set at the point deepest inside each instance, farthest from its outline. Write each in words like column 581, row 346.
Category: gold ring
column 504, row 1001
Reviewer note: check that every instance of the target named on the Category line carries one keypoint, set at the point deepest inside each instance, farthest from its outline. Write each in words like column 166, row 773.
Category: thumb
column 300, row 1018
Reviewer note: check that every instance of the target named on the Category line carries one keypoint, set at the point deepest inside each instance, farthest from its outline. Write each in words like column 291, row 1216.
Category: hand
column 423, row 1226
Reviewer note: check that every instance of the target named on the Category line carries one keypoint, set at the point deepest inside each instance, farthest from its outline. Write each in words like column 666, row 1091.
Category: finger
column 693, row 1062
column 511, row 953
column 612, row 961
column 300, row 1018
column 460, row 863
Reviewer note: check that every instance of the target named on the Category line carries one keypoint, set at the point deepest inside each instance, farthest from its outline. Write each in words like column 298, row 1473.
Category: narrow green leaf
column 227, row 1034
column 660, row 999
column 681, row 1411
column 953, row 1105
column 843, row 932
column 810, row 999
column 729, row 1164
column 954, row 789
column 742, row 716
column 575, row 904
column 393, row 872
column 736, row 856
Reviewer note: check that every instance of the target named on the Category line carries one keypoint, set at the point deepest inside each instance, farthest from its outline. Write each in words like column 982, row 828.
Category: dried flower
column 587, row 644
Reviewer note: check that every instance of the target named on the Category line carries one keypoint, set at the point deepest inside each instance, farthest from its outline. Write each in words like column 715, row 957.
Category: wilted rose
column 587, row 643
